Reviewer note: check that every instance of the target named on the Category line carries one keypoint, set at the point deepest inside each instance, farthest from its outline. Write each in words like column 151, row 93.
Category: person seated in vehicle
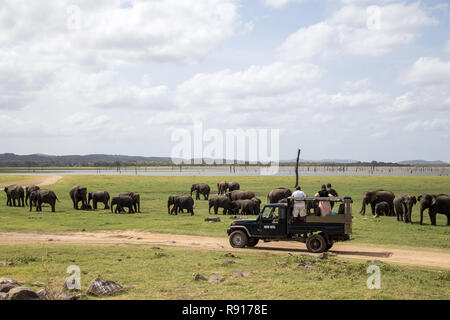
column 325, row 207
column 332, row 192
column 299, row 210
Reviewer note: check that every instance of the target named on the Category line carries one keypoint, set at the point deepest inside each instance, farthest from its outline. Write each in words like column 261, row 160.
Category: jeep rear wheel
column 252, row 242
column 238, row 239
column 316, row 243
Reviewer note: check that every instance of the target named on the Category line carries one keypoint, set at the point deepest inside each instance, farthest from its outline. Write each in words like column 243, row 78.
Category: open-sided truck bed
column 275, row 223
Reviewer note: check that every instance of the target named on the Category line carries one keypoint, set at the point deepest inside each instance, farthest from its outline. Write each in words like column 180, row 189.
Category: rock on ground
column 67, row 296
column 306, row 264
column 322, row 256
column 212, row 219
column 229, row 262
column 38, row 284
column 8, row 281
column 240, row 274
column 216, row 278
column 22, row 293
column 198, row 276
column 43, row 294
column 6, row 284
column 99, row 287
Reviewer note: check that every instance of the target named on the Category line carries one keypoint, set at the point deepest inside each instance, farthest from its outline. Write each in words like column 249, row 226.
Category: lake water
column 245, row 171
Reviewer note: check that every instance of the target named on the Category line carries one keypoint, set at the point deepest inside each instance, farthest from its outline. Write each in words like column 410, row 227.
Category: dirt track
column 49, row 180
column 403, row 256
column 42, row 182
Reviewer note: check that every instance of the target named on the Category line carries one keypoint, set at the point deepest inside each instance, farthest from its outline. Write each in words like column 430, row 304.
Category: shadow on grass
column 344, row 253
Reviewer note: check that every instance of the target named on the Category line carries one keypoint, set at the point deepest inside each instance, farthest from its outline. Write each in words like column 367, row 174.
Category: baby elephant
column 403, row 205
column 41, row 196
column 382, row 208
column 121, row 202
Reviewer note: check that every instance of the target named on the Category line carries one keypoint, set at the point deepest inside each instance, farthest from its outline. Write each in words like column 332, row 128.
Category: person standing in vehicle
column 325, row 207
column 299, row 211
column 332, row 192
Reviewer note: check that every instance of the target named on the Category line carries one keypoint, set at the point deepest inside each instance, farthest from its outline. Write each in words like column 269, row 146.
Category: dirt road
column 40, row 181
column 347, row 250
column 49, row 180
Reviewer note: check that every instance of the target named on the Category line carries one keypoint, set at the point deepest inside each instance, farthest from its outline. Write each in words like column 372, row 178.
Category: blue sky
column 350, row 79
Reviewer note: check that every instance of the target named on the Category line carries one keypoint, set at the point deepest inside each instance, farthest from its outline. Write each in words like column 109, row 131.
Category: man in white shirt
column 299, row 206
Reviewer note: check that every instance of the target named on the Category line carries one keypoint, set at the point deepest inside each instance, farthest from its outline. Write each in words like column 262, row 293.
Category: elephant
column 99, row 196
column 278, row 194
column 232, row 186
column 256, row 205
column 200, row 188
column 78, row 194
column 122, row 202
column 375, row 197
column 43, row 196
column 245, row 206
column 403, row 206
column 222, row 188
column 86, row 207
column 179, row 203
column 435, row 203
column 220, row 202
column 382, row 208
column 240, row 195
column 13, row 193
column 28, row 191
column 136, row 199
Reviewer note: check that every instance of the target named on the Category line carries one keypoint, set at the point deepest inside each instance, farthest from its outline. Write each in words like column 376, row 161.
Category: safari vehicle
column 276, row 223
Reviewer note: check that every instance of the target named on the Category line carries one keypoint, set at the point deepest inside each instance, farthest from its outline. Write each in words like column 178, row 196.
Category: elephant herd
column 230, row 198
column 384, row 202
column 37, row 196
column 32, row 194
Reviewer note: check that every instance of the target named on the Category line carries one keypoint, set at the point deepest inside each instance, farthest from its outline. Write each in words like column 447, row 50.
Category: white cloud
column 165, row 30
column 253, row 88
column 280, row 3
column 428, row 71
column 432, row 125
column 359, row 30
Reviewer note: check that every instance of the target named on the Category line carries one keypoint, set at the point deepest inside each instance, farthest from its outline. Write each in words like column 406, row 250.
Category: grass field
column 155, row 190
column 158, row 273
column 166, row 273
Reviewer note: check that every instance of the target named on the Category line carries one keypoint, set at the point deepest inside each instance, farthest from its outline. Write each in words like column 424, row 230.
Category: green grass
column 154, row 191
column 161, row 273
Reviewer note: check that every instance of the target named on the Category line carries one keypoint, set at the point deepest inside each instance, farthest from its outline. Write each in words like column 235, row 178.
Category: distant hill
column 423, row 163
column 43, row 160
column 106, row 160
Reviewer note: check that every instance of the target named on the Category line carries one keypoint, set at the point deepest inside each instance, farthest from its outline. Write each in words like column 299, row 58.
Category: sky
column 350, row 79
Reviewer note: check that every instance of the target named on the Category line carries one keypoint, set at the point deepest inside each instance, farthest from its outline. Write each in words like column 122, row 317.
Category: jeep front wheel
column 316, row 243
column 238, row 239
